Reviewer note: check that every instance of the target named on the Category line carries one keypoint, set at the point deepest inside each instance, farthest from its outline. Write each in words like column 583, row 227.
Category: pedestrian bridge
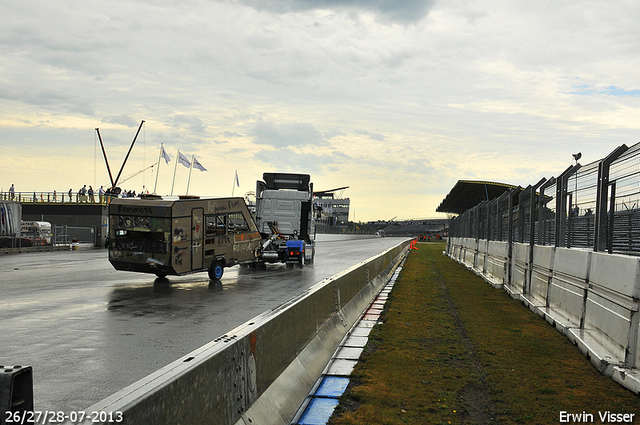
column 54, row 197
column 73, row 216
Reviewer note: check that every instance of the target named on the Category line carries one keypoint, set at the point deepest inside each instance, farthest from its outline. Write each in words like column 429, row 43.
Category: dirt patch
column 478, row 405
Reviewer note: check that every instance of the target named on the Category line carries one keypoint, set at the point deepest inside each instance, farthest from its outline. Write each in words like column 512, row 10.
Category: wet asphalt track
column 89, row 330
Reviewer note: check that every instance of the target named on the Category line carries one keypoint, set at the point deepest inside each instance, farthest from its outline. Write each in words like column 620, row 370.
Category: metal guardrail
column 592, row 206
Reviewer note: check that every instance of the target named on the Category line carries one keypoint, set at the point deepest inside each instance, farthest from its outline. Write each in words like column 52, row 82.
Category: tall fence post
column 512, row 194
column 521, row 215
column 561, row 204
column 500, row 218
column 491, row 231
column 532, row 232
column 542, row 204
column 612, row 214
column 602, row 194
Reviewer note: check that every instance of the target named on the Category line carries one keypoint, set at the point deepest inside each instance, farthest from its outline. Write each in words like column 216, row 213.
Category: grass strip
column 454, row 350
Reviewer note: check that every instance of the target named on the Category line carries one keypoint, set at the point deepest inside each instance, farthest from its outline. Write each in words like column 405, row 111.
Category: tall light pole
column 576, row 156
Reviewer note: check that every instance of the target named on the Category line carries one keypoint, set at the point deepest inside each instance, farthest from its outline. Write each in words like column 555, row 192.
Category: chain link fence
column 67, row 235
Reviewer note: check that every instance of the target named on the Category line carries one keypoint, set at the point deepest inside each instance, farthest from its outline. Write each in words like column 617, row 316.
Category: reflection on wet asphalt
column 89, row 330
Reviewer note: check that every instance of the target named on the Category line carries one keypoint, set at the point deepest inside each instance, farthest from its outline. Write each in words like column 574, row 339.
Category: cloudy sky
column 396, row 99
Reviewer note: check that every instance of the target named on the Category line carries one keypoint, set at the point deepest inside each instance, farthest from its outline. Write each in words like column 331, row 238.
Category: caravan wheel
column 216, row 270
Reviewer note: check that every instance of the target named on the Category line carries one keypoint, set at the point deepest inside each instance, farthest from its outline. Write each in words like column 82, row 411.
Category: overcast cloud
column 390, row 11
column 397, row 100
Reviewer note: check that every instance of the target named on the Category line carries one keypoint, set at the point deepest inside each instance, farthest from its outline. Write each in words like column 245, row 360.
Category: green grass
column 454, row 350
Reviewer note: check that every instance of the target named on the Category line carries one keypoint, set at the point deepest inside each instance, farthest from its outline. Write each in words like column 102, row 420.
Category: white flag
column 183, row 160
column 197, row 165
column 164, row 154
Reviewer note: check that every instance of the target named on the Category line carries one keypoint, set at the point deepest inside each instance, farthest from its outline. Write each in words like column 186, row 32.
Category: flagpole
column 174, row 171
column 190, row 168
column 158, row 170
column 233, row 186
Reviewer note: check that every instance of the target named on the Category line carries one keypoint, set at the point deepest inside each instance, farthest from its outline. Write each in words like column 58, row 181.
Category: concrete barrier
column 481, row 257
column 496, row 263
column 541, row 273
column 569, row 283
column 519, row 270
column 455, row 245
column 260, row 372
column 611, row 308
column 459, row 250
column 448, row 251
column 470, row 252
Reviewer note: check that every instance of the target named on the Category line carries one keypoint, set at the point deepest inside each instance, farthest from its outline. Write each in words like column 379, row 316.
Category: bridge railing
column 54, row 197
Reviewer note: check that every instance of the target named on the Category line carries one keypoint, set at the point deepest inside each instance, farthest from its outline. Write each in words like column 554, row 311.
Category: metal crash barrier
column 260, row 372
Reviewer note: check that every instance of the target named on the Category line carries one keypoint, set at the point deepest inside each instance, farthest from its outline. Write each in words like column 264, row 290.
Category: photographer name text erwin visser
column 590, row 418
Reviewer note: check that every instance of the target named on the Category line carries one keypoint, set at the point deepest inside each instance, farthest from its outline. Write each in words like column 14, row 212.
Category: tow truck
column 285, row 216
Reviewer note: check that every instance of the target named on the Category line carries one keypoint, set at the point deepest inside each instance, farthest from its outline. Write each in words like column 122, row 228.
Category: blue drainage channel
column 319, row 406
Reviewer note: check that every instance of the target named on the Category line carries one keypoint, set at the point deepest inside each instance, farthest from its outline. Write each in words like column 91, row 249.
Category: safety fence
column 67, row 235
column 262, row 371
column 593, row 206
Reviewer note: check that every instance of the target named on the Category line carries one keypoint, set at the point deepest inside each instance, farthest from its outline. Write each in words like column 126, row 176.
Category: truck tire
column 313, row 257
column 216, row 270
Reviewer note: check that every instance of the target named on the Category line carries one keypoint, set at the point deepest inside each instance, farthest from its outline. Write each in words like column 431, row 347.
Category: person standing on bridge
column 12, row 192
column 90, row 192
column 82, row 193
column 101, row 194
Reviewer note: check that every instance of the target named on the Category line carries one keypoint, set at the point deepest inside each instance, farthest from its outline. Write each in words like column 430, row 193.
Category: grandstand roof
column 469, row 193
column 329, row 192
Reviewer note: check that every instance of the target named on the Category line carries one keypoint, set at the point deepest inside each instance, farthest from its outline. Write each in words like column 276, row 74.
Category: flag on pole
column 167, row 158
column 183, row 160
column 237, row 181
column 197, row 165
column 164, row 154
